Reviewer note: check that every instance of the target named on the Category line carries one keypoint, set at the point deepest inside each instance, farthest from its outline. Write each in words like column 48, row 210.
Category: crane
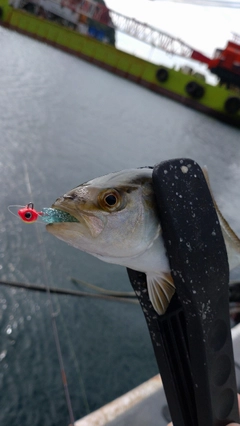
column 225, row 63
column 132, row 27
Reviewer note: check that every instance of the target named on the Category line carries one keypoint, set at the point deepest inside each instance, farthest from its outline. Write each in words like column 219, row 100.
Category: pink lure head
column 28, row 213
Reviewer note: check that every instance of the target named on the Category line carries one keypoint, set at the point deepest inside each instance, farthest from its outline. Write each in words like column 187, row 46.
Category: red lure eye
column 27, row 214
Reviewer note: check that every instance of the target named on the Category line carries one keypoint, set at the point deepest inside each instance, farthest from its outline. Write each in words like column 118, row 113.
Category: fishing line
column 43, row 257
column 77, row 367
column 14, row 207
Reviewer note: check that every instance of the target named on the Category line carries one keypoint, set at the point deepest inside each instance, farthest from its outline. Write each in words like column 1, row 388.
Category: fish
column 116, row 221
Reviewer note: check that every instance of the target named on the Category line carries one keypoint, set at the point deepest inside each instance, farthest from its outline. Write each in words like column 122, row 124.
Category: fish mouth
column 60, row 214
column 65, row 216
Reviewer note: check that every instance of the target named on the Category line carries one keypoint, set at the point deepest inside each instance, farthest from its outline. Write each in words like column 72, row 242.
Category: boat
column 85, row 29
column 146, row 404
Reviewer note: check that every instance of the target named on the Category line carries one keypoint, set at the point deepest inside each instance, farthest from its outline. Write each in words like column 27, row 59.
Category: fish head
column 116, row 215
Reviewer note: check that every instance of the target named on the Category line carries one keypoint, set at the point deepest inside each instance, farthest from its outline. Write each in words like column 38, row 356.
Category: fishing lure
column 29, row 214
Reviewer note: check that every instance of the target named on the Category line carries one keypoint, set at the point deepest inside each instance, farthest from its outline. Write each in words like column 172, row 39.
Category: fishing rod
column 119, row 297
column 103, row 290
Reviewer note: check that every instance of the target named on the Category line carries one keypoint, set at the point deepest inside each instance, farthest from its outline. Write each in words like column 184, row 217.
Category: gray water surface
column 63, row 122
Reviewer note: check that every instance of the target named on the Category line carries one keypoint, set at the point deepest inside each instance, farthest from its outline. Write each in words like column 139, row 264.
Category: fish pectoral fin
column 160, row 290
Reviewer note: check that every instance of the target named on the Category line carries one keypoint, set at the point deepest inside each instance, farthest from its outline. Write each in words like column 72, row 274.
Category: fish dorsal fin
column 160, row 291
column 232, row 241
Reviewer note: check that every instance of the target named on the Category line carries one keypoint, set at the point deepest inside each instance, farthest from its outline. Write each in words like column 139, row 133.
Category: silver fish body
column 118, row 223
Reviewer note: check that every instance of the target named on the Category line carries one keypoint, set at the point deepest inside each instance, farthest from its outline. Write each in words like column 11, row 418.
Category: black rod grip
column 167, row 333
column 192, row 340
column 199, row 266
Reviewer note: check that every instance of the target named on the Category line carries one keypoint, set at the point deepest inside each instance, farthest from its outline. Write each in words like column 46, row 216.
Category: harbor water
column 63, row 122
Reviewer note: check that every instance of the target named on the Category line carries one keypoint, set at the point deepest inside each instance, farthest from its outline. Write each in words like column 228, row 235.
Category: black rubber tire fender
column 195, row 90
column 232, row 105
column 162, row 75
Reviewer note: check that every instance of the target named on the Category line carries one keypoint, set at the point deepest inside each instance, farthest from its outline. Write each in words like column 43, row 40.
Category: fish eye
column 28, row 215
column 110, row 200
